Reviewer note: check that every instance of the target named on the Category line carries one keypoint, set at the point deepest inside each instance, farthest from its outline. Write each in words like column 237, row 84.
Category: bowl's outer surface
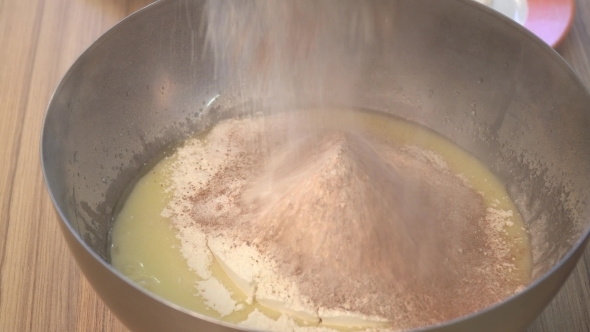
column 453, row 66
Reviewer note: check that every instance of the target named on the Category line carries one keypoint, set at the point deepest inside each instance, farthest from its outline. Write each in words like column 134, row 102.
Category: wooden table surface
column 41, row 288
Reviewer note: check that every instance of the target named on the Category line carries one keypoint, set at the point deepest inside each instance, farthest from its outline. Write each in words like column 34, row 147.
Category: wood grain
column 41, row 289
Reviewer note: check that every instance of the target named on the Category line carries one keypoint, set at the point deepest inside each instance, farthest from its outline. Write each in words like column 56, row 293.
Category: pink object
column 550, row 19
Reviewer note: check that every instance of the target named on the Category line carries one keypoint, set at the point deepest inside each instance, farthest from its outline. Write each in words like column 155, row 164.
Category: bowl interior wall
column 453, row 67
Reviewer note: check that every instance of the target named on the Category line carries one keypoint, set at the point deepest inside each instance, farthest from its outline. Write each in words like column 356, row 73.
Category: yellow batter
column 146, row 250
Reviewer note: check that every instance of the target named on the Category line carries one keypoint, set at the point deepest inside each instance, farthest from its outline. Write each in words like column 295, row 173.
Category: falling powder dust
column 326, row 224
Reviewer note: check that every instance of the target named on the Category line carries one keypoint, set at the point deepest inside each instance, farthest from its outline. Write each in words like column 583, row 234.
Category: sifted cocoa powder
column 358, row 224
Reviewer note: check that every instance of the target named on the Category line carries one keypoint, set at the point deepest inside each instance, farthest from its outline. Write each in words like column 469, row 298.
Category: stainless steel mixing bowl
column 454, row 66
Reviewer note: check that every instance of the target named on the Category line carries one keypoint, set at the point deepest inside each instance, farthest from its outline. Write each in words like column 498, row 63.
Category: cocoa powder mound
column 358, row 224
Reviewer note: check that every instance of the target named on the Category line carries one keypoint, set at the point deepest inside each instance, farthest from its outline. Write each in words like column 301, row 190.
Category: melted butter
column 146, row 250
